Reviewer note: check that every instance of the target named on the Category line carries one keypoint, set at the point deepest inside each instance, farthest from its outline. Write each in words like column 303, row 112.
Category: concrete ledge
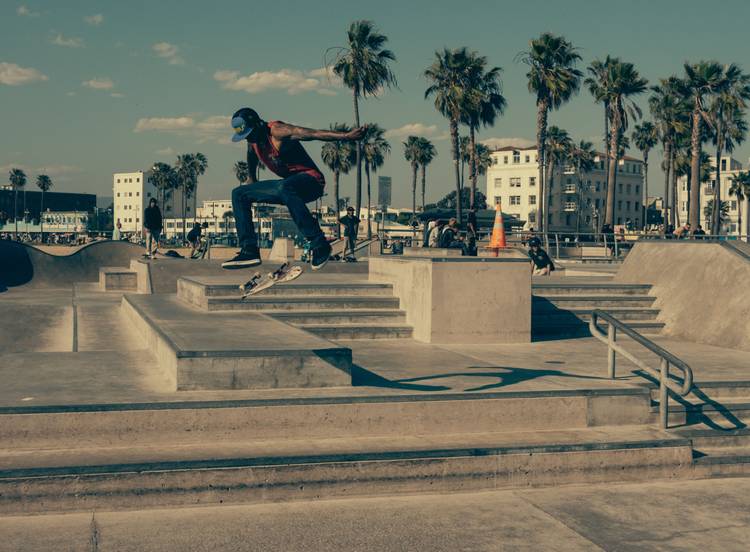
column 252, row 351
column 117, row 278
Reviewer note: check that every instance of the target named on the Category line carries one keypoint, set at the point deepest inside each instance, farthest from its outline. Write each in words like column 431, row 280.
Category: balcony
column 570, row 206
column 569, row 189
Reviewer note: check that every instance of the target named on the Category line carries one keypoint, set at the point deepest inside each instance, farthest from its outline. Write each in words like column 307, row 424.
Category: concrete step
column 592, row 301
column 358, row 331
column 560, row 325
column 320, row 417
column 728, row 414
column 247, row 472
column 309, row 302
column 621, row 313
column 730, row 461
column 575, row 288
column 351, row 316
column 300, row 289
column 117, row 278
column 716, row 438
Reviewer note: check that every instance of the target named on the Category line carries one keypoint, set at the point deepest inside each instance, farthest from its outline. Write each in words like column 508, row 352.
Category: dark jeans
column 294, row 192
column 351, row 242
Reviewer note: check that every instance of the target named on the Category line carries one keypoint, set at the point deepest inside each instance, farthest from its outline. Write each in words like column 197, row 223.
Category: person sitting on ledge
column 541, row 264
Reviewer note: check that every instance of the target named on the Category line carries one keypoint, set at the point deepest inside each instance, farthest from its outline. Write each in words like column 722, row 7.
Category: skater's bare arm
column 252, row 164
column 283, row 131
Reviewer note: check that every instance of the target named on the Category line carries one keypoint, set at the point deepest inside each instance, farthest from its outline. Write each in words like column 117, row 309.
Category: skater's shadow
column 505, row 376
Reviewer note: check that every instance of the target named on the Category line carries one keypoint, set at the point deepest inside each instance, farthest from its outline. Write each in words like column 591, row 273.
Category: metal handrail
column 667, row 359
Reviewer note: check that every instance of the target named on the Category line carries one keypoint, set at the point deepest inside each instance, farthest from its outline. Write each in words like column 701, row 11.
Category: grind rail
column 667, row 360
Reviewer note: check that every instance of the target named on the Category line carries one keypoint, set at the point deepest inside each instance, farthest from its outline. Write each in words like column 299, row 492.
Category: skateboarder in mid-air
column 277, row 144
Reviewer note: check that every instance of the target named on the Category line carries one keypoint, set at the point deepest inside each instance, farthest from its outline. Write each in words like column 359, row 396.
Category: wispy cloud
column 95, row 20
column 168, row 51
column 24, row 11
column 416, row 129
column 290, row 80
column 58, row 172
column 15, row 75
column 67, row 42
column 168, row 151
column 117, row 95
column 99, row 83
column 494, row 143
column 215, row 128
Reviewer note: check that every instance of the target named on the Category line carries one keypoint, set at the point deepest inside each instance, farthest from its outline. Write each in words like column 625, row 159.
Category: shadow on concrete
column 549, row 322
column 506, row 375
column 16, row 268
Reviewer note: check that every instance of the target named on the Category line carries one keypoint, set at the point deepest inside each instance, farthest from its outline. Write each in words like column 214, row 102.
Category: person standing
column 117, row 234
column 152, row 224
column 351, row 227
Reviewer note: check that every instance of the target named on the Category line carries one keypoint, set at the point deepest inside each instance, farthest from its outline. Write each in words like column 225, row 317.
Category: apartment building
column 513, row 180
column 737, row 209
column 131, row 193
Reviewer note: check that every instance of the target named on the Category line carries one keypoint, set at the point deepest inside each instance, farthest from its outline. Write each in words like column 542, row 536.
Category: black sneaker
column 320, row 256
column 244, row 259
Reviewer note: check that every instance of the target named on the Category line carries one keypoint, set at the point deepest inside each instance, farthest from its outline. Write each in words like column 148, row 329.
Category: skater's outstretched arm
column 283, row 131
column 252, row 164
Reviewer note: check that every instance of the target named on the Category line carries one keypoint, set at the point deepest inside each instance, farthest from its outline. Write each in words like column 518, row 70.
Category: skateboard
column 285, row 273
column 200, row 251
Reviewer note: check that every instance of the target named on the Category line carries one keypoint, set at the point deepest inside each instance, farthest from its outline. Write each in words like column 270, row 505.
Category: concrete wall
column 461, row 300
column 701, row 289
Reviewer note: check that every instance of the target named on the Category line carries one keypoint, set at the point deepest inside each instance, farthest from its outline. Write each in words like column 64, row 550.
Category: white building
column 131, row 193
column 729, row 169
column 512, row 180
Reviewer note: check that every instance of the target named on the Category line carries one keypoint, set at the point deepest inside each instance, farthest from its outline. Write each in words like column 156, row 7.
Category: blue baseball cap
column 244, row 122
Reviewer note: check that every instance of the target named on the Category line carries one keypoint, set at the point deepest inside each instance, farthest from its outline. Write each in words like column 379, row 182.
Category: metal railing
column 667, row 360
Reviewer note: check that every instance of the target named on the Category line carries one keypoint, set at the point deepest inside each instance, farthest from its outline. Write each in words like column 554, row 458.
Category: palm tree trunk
column 609, row 215
column 667, row 148
column 41, row 221
column 695, row 171
column 644, row 205
column 359, row 157
column 541, row 137
column 747, row 219
column 369, row 198
column 606, row 149
column 715, row 219
column 472, row 166
column 15, row 210
column 455, row 153
column 549, row 180
column 414, row 167
column 424, row 179
column 462, row 172
column 336, row 207
column 183, row 213
column 673, row 185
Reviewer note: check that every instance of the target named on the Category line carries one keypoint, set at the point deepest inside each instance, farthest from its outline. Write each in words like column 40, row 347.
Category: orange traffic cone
column 497, row 241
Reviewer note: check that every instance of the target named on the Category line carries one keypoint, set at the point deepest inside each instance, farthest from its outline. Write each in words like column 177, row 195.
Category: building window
column 137, row 194
column 532, row 217
column 630, row 188
column 550, row 201
column 596, row 203
column 498, row 182
column 627, row 206
column 138, row 179
column 526, row 159
column 588, row 202
column 619, row 187
column 118, row 194
column 619, row 205
column 733, row 205
column 723, row 164
column 532, row 200
column 532, row 181
column 516, row 157
column 638, row 188
column 598, row 186
column 498, row 199
column 619, row 220
column 138, row 220
column 148, row 194
column 515, row 182
column 515, row 200
column 505, row 159
column 118, row 180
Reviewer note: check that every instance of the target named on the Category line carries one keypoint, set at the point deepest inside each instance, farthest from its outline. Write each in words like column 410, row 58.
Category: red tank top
column 292, row 159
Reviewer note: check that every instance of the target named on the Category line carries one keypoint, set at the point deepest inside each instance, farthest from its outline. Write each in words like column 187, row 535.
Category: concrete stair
column 563, row 309
column 332, row 310
column 168, row 454
column 117, row 278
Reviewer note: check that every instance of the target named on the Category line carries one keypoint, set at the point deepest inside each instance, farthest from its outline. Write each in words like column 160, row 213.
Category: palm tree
column 184, row 178
column 581, row 156
column 199, row 165
column 449, row 78
column 44, row 183
column 465, row 155
column 670, row 113
column 727, row 116
column 484, row 103
column 554, row 79
column 241, row 171
column 645, row 138
column 374, row 149
column 363, row 65
column 598, row 84
column 558, row 147
column 18, row 179
column 164, row 178
column 226, row 216
column 740, row 188
column 427, row 153
column 339, row 157
column 411, row 154
column 709, row 212
column 702, row 80
column 623, row 81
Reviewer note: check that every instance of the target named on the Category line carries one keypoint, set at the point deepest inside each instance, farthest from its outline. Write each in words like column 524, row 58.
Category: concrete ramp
column 701, row 288
column 24, row 265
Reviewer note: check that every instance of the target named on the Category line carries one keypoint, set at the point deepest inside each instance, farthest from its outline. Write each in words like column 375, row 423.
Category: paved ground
column 685, row 515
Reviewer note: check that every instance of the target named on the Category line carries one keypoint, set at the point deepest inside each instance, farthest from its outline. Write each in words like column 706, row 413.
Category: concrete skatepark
column 135, row 385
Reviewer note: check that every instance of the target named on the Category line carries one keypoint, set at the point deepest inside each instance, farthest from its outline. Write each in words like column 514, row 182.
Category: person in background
column 194, row 237
column 541, row 264
column 351, row 226
column 449, row 238
column 699, row 233
column 152, row 224
column 117, row 233
column 427, row 230
column 435, row 233
column 683, row 231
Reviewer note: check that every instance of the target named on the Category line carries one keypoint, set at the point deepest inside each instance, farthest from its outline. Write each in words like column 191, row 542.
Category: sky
column 88, row 87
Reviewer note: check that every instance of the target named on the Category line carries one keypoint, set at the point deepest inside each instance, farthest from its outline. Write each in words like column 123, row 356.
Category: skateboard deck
column 285, row 273
column 200, row 251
